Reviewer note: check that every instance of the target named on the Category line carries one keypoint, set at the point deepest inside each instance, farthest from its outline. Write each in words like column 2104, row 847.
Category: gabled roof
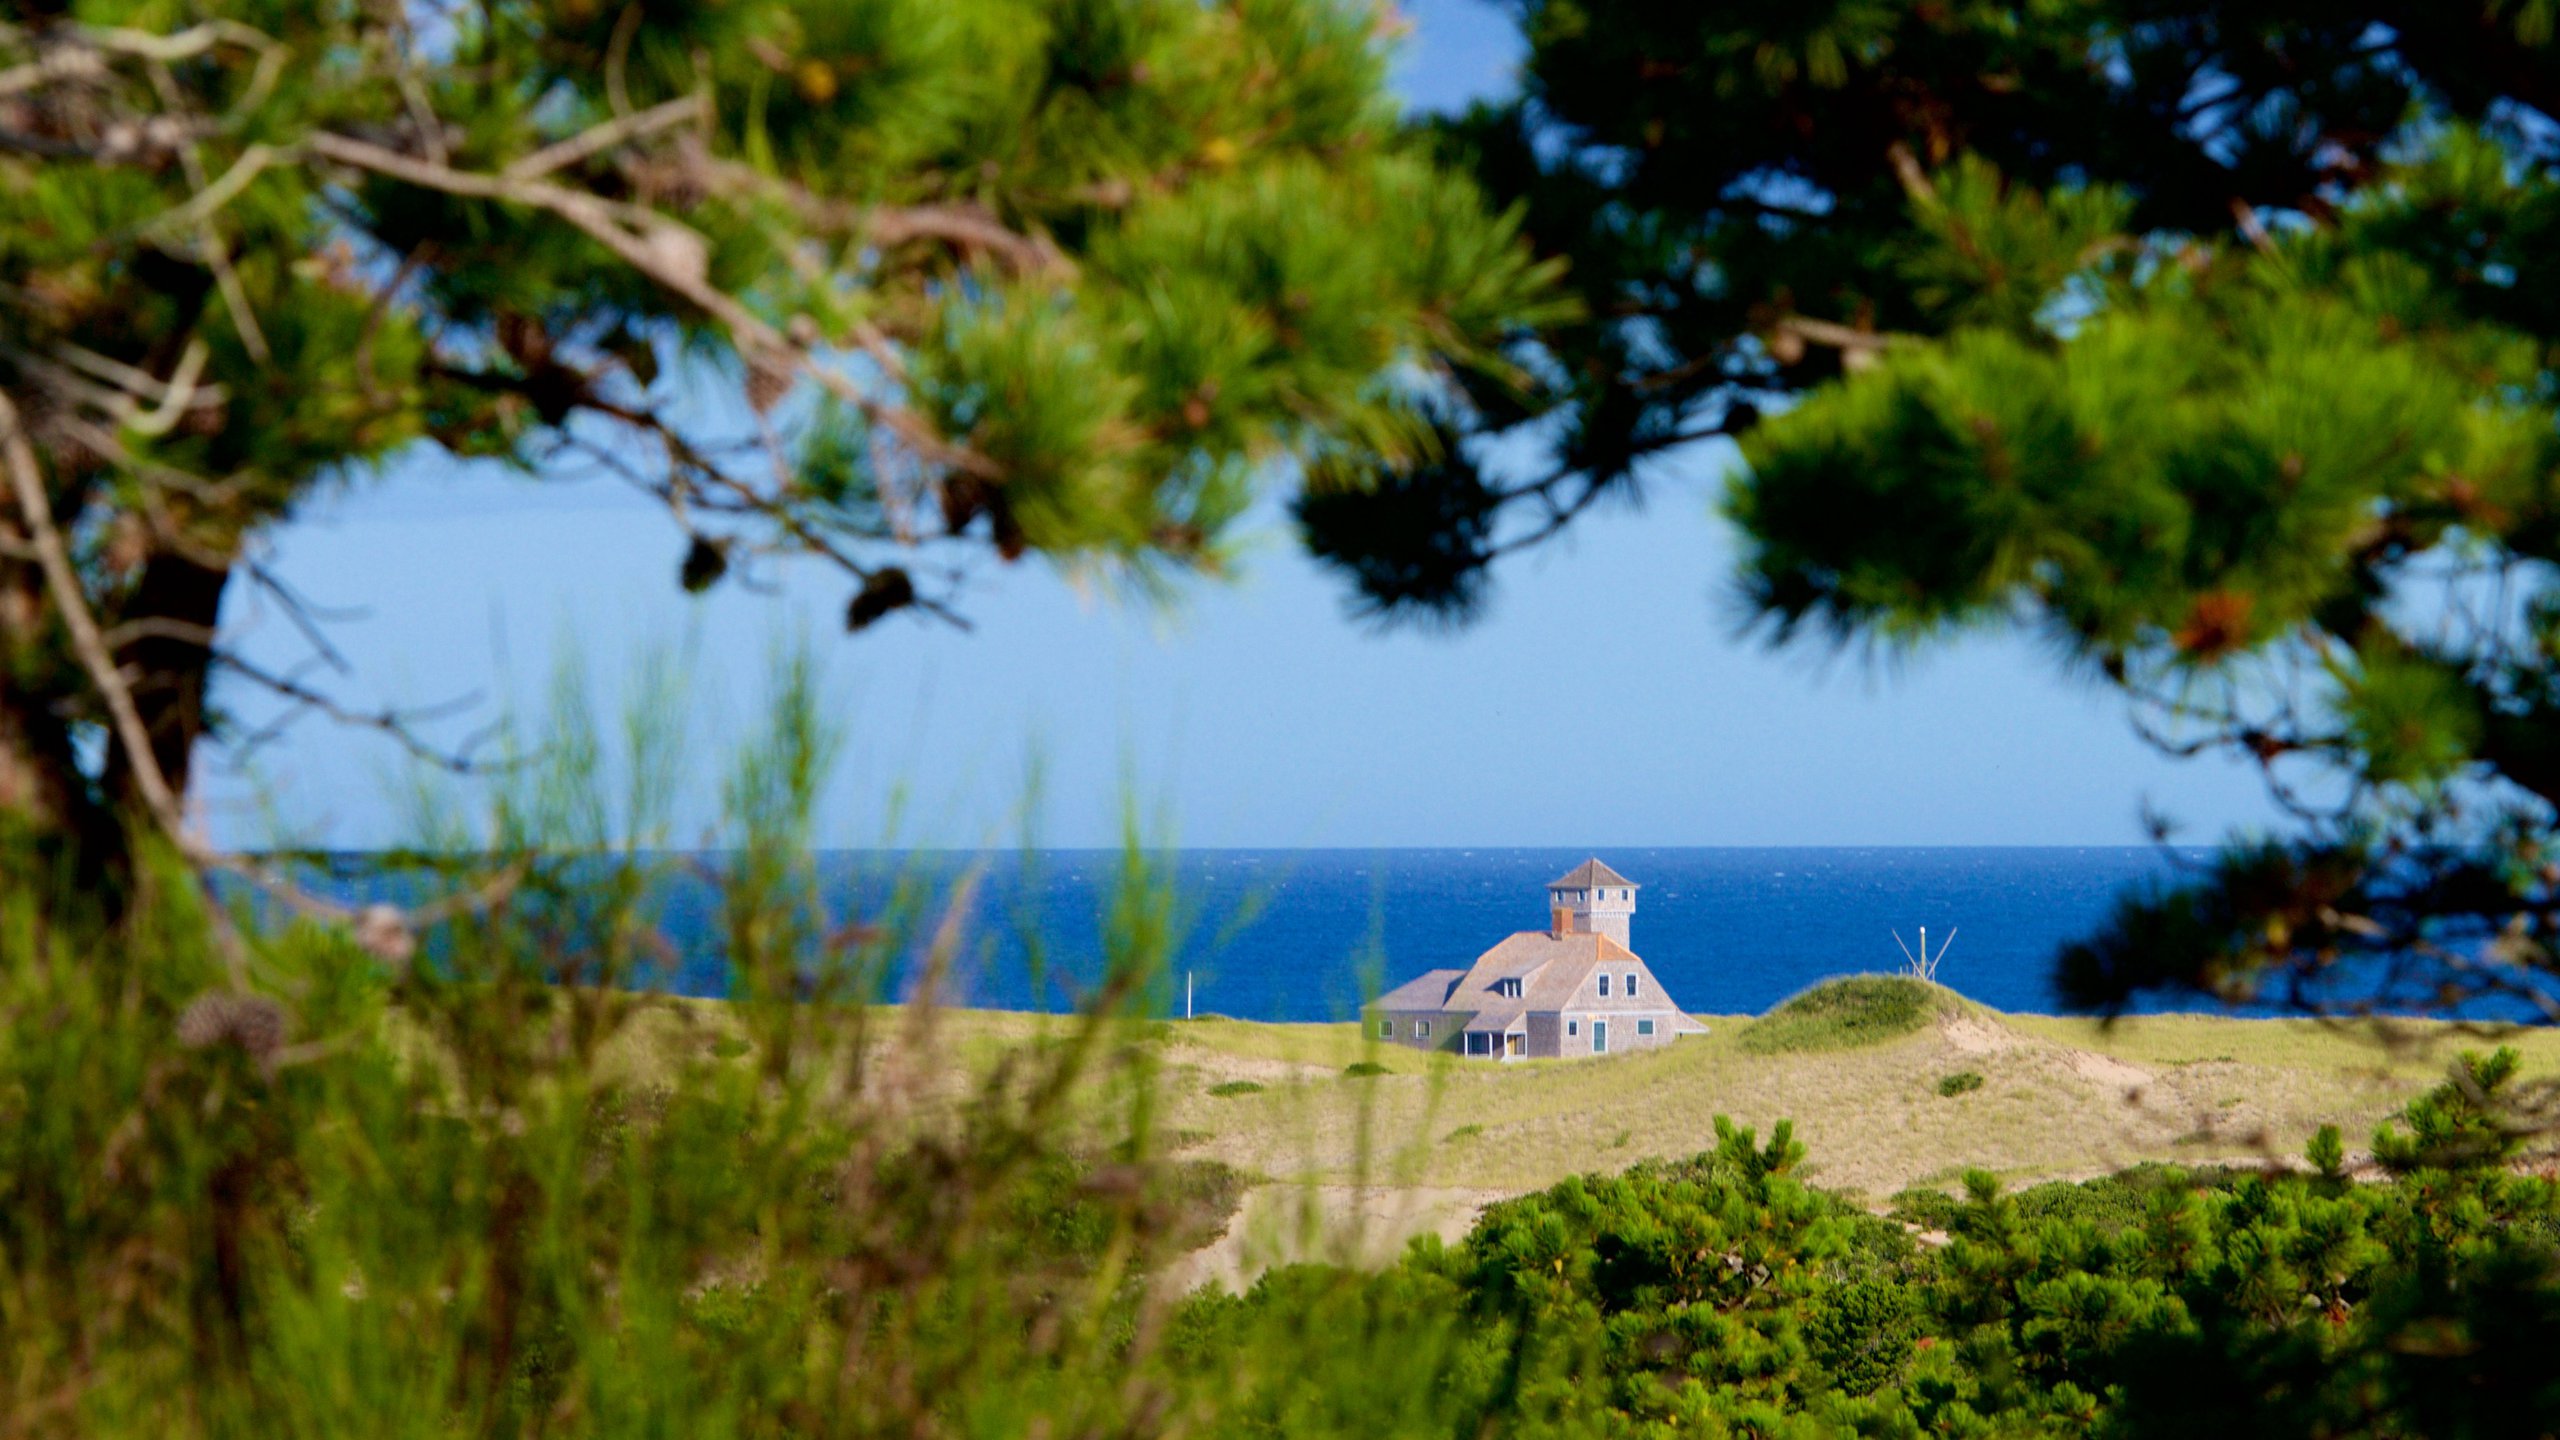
column 1429, row 991
column 1551, row 968
column 1498, row 1021
column 1589, row 873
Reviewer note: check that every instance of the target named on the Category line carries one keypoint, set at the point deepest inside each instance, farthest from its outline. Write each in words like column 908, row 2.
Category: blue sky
column 1606, row 699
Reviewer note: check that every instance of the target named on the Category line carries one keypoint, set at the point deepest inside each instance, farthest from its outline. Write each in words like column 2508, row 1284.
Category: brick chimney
column 1561, row 921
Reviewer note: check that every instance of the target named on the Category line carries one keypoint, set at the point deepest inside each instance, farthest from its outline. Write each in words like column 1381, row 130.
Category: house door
column 1599, row 1037
column 1515, row 1042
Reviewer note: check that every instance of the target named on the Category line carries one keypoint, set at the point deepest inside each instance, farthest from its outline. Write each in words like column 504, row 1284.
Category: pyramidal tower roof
column 1589, row 873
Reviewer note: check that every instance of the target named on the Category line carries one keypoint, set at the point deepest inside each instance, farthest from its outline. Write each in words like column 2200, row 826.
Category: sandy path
column 1281, row 1224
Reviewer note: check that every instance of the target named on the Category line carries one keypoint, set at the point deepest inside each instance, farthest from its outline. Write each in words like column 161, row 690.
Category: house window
column 1422, row 1029
column 1386, row 1029
column 1479, row 1043
column 1631, row 985
column 1508, row 989
column 1644, row 1027
column 1573, row 1027
column 1604, row 987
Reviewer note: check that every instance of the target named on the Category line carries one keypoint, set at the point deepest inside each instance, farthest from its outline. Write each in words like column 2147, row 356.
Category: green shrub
column 1961, row 1082
column 1846, row 1013
column 1235, row 1087
column 1863, row 1332
column 1463, row 1132
column 1363, row 1069
column 1926, row 1208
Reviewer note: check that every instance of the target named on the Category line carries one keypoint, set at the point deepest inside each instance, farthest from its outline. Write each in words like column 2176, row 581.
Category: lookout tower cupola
column 1592, row 899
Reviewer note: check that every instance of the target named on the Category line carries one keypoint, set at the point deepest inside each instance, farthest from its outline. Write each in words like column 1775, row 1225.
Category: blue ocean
column 1295, row 935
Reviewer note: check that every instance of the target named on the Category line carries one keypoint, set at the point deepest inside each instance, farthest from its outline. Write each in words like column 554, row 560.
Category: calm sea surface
column 1304, row 934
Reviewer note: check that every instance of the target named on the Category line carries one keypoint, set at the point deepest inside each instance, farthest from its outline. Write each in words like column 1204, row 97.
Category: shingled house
column 1574, row 988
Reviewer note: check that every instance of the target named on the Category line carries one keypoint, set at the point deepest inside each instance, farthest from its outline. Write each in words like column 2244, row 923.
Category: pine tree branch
column 671, row 256
column 396, row 723
column 62, row 578
column 599, row 138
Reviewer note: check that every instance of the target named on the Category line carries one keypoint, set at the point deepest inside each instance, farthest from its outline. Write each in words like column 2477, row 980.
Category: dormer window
column 1507, row 989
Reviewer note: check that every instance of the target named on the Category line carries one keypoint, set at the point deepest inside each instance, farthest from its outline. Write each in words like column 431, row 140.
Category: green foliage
column 2460, row 1124
column 1718, row 1293
column 1962, row 1082
column 1846, row 1013
column 1363, row 1069
column 988, row 275
column 2207, row 342
column 1226, row 1088
column 1924, row 1208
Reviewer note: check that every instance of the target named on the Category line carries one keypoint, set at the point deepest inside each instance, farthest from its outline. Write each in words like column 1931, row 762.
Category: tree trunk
column 46, row 802
column 178, row 600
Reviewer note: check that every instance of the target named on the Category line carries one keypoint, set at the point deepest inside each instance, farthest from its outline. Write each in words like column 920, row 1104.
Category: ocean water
column 1306, row 934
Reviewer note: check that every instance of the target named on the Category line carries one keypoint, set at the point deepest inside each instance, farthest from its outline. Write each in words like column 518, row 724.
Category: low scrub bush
column 1235, row 1087
column 2160, row 1302
column 1925, row 1208
column 1962, row 1082
column 1364, row 1069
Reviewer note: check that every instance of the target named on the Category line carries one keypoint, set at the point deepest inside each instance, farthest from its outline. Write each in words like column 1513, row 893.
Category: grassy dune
column 1355, row 1163
column 2059, row 1097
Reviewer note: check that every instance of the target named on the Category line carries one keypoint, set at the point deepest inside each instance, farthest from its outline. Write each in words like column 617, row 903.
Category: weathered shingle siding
column 1546, row 1036
column 1445, row 1027
column 1623, row 1036
column 1649, row 996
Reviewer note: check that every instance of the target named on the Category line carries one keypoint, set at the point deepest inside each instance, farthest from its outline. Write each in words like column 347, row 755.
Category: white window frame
column 1421, row 1029
column 1573, row 1027
column 1631, row 984
column 1387, row 1028
column 1644, row 1025
column 1604, row 984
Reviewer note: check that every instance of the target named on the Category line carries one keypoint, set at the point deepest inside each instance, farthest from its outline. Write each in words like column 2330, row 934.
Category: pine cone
column 253, row 1022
